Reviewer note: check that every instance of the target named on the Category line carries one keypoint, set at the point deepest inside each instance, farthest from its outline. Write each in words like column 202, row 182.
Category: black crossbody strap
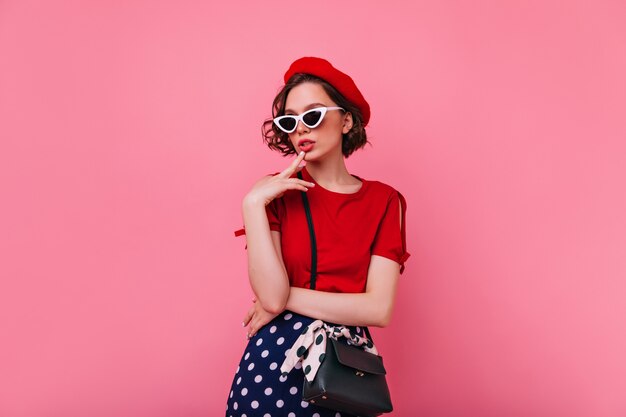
column 367, row 332
column 309, row 220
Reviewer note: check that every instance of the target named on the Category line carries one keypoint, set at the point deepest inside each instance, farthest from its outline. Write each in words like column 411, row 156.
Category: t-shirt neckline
column 360, row 191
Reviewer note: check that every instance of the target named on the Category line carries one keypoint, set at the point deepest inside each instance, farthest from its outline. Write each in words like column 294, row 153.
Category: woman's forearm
column 266, row 270
column 370, row 308
column 360, row 309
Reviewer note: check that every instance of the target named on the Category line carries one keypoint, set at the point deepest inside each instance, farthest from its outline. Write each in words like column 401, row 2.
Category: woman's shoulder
column 379, row 189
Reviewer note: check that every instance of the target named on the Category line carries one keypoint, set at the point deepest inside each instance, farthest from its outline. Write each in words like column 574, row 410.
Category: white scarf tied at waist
column 310, row 347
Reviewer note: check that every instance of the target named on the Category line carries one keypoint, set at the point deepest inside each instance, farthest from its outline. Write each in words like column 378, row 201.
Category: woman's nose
column 302, row 128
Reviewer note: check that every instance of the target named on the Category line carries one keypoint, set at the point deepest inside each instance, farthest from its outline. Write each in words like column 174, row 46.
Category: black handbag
column 349, row 379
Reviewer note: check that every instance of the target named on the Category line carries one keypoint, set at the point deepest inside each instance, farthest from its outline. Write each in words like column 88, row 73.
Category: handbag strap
column 309, row 220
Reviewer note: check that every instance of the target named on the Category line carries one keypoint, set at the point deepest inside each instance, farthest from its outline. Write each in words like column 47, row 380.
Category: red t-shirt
column 349, row 229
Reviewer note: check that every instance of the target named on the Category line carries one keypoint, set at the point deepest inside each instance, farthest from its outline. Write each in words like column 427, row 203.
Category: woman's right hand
column 274, row 186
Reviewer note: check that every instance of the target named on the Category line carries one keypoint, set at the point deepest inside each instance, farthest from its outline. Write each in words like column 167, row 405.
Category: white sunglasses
column 310, row 118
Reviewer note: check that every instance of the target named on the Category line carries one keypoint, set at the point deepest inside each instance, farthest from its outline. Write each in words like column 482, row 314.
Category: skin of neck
column 331, row 172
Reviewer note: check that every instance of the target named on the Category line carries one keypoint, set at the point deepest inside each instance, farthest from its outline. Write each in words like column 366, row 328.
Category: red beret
column 342, row 82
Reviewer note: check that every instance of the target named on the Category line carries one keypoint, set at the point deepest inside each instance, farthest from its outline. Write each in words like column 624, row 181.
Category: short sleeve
column 273, row 214
column 273, row 211
column 390, row 240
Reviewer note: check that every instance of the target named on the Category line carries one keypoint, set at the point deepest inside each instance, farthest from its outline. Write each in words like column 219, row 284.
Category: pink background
column 131, row 130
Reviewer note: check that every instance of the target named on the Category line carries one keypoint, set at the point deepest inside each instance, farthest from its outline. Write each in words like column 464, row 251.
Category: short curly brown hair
column 278, row 140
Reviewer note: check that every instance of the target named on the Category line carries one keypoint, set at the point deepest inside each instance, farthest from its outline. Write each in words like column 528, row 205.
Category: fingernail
column 243, row 324
column 301, row 152
column 312, row 184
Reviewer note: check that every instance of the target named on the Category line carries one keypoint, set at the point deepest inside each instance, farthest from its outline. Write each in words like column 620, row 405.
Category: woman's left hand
column 256, row 318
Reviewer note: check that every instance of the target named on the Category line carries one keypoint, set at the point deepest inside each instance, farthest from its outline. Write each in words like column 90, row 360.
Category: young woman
column 319, row 115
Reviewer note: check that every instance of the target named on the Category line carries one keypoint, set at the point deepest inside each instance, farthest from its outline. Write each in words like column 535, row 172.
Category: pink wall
column 130, row 131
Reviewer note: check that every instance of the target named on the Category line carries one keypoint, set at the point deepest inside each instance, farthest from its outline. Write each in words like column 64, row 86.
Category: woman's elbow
column 383, row 316
column 383, row 321
column 272, row 295
column 274, row 304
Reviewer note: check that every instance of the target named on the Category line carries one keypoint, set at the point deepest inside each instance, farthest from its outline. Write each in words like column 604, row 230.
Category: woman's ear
column 347, row 123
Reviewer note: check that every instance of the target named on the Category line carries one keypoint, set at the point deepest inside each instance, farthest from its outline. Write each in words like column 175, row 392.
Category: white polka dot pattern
column 260, row 387
column 308, row 350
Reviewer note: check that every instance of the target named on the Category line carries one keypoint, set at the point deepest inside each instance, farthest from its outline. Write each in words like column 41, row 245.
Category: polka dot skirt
column 258, row 388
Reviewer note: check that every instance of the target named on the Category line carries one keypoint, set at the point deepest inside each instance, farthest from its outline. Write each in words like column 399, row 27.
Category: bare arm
column 374, row 307
column 266, row 269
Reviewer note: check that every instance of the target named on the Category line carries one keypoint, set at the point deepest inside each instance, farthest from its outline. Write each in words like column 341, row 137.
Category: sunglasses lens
column 312, row 118
column 288, row 123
